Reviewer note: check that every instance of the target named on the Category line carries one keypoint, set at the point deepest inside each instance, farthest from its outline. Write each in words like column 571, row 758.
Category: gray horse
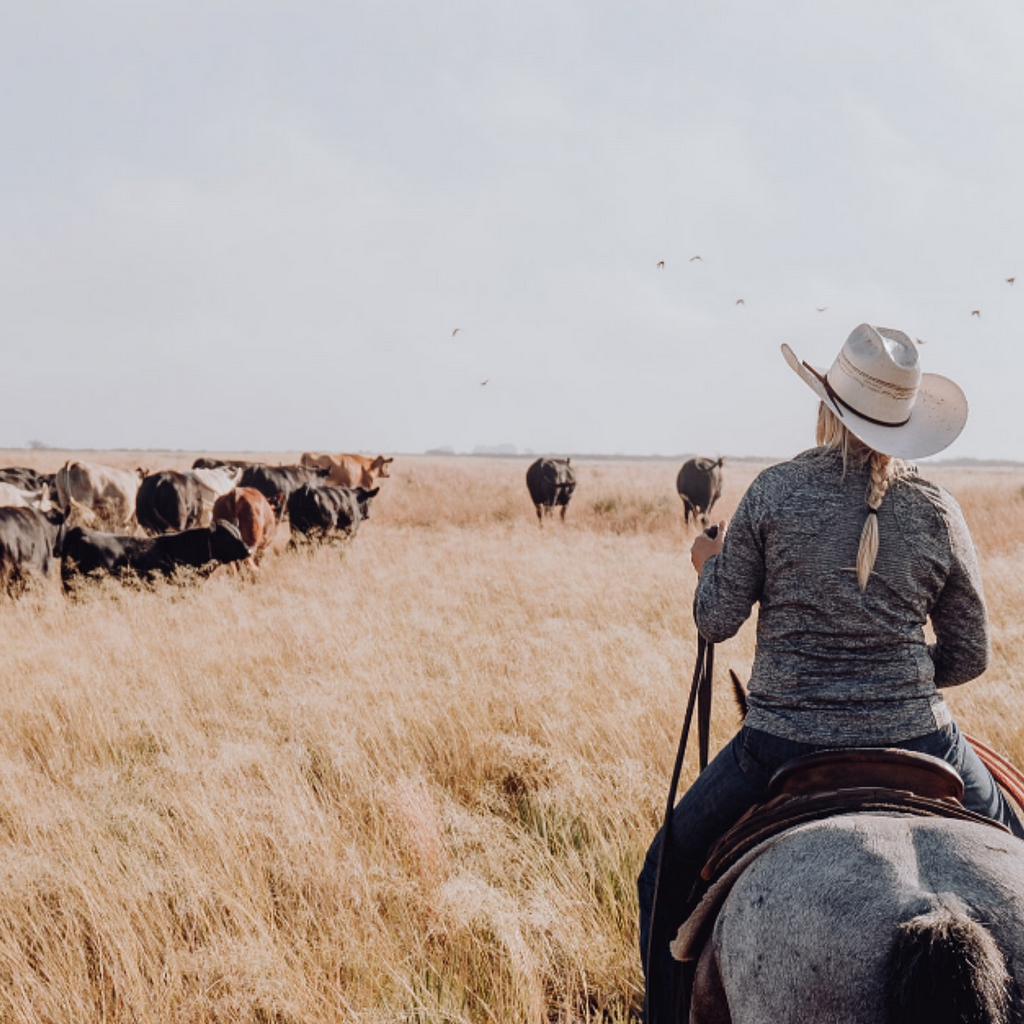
column 865, row 919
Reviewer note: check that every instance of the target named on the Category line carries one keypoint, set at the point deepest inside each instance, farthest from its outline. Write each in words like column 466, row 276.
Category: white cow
column 15, row 497
column 95, row 494
column 212, row 484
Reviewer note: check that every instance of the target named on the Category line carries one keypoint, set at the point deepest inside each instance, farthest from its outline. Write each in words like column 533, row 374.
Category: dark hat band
column 830, row 391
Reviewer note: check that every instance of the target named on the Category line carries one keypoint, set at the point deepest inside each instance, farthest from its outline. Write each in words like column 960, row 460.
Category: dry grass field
column 408, row 781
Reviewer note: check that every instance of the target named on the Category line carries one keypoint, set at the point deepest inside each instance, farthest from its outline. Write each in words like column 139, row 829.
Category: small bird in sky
column 661, row 264
column 821, row 309
column 456, row 331
column 701, row 258
column 975, row 312
column 483, row 382
column 1010, row 280
column 920, row 341
column 740, row 302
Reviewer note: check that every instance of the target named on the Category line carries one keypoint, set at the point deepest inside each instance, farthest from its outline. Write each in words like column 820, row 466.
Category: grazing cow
column 551, row 482
column 91, row 553
column 212, row 484
column 24, row 479
column 273, row 480
column 94, row 493
column 41, row 485
column 29, row 541
column 322, row 512
column 169, row 502
column 205, row 462
column 344, row 470
column 12, row 496
column 255, row 517
column 699, row 485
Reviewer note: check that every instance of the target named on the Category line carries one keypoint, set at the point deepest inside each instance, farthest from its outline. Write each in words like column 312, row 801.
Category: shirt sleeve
column 731, row 581
column 959, row 616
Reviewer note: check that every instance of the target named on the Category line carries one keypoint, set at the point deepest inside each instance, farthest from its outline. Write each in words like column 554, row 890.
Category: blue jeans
column 730, row 785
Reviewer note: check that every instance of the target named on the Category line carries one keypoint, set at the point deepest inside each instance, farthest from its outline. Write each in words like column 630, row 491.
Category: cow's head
column 379, row 466
column 58, row 519
column 363, row 497
column 226, row 544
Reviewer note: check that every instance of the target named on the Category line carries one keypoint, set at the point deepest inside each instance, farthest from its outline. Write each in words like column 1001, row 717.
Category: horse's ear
column 739, row 692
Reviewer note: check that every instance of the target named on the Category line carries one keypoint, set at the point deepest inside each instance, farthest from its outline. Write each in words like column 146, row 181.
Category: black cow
column 205, row 462
column 29, row 541
column 91, row 553
column 551, row 482
column 273, row 480
column 169, row 502
column 24, row 479
column 322, row 512
column 699, row 485
column 30, row 480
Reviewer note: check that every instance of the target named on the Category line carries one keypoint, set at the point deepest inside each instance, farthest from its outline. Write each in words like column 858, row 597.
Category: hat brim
column 938, row 417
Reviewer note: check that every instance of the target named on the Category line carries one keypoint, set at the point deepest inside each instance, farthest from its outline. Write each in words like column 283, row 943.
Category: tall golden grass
column 412, row 780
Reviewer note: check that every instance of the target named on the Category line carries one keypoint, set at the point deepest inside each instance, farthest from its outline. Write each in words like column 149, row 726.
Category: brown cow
column 344, row 470
column 255, row 517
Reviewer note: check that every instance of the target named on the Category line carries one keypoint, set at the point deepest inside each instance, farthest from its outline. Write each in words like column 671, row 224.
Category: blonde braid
column 879, row 483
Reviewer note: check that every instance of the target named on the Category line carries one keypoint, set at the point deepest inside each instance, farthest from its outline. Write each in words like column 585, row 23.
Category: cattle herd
column 99, row 521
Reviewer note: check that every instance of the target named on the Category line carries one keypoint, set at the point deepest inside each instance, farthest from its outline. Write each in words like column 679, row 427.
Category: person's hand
column 704, row 547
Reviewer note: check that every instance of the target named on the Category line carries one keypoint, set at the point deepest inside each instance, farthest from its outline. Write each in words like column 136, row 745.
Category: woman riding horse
column 847, row 551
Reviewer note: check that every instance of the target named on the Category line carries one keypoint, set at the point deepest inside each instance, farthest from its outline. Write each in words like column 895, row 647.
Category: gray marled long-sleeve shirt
column 834, row 665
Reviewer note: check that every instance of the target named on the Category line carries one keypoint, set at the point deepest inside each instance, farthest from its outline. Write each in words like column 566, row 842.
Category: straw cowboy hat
column 877, row 389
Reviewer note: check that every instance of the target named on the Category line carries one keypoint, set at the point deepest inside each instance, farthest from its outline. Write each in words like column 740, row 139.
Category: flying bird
column 1010, row 280
column 661, row 264
column 701, row 258
column 920, row 341
column 483, row 382
column 821, row 309
column 975, row 312
column 740, row 302
column 456, row 331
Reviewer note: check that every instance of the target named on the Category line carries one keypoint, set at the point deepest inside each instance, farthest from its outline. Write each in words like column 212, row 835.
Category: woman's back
column 834, row 663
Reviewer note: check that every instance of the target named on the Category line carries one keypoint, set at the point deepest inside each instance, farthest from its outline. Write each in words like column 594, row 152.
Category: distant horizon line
column 965, row 461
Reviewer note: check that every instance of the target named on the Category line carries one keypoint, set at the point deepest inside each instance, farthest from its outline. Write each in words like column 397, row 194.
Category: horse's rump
column 858, row 918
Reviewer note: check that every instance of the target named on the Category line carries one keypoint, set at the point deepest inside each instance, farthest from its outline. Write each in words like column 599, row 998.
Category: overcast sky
column 256, row 226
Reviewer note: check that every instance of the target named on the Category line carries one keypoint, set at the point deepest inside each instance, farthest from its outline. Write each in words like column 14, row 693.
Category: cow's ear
column 373, row 493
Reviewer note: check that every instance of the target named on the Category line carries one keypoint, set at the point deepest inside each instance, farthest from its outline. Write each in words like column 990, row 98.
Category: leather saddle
column 844, row 781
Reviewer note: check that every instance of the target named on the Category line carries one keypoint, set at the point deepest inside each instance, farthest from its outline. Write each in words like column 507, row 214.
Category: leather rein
column 700, row 697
